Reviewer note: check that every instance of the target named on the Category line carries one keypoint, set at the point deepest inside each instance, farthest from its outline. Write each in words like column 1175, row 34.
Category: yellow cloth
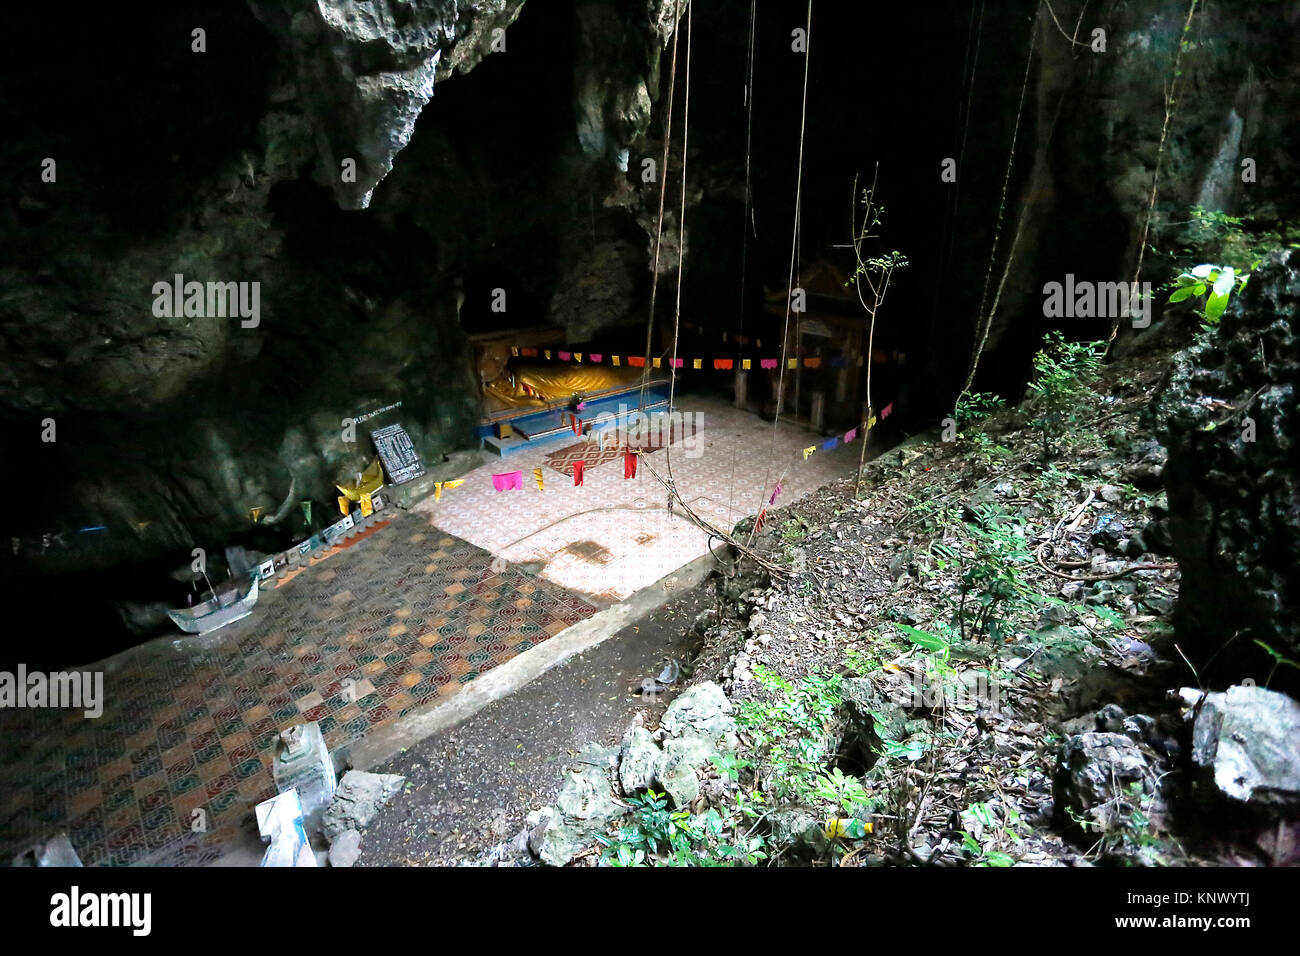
column 577, row 356
column 371, row 480
column 699, row 363
column 615, row 359
column 437, row 491
column 537, row 477
column 367, row 507
column 548, row 353
column 453, row 484
column 808, row 451
column 343, row 505
column 657, row 362
column 257, row 513
column 744, row 363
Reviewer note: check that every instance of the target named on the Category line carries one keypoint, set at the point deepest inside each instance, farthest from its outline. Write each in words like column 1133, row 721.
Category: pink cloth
column 776, row 491
column 597, row 356
column 886, row 411
column 849, row 435
column 768, row 363
column 564, row 356
column 676, row 363
column 508, row 481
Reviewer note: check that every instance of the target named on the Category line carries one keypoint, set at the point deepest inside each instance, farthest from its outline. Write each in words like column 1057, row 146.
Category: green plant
column 1063, row 374
column 1278, row 661
column 992, row 583
column 730, row 765
column 973, row 407
column 656, row 834
column 1218, row 281
column 985, row 831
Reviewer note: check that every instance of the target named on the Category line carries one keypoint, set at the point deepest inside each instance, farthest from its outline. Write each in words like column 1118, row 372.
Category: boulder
column 638, row 759
column 357, row 801
column 1248, row 739
column 675, row 772
column 1095, row 768
column 346, row 848
column 585, row 807
column 702, row 710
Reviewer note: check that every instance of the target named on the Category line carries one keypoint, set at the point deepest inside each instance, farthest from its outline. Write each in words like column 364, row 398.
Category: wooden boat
column 218, row 611
column 371, row 480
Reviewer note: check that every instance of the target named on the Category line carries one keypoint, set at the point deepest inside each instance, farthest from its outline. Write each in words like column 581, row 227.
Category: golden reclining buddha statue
column 536, row 385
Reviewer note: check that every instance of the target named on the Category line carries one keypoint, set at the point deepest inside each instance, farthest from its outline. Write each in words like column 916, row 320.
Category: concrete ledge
column 382, row 743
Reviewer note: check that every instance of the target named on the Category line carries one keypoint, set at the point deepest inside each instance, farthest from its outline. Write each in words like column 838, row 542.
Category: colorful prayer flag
column 537, row 477
column 343, row 505
column 699, row 363
column 808, row 451
column 849, row 435
column 812, row 362
column 578, row 468
column 597, row 356
column 723, row 363
column 767, row 363
column 830, row 443
column 564, row 356
column 614, row 359
column 437, row 491
column 886, row 411
column 658, row 363
column 508, row 481
column 636, row 361
column 367, row 505
column 792, row 363
column 745, row 364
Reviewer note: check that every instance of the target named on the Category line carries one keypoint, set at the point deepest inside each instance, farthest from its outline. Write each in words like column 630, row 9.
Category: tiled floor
column 402, row 619
column 398, row 620
column 611, row 536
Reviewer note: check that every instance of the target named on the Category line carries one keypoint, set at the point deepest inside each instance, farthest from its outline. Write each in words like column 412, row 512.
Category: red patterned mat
column 590, row 451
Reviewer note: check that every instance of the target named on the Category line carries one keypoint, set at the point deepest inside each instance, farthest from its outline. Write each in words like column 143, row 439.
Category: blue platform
column 533, row 429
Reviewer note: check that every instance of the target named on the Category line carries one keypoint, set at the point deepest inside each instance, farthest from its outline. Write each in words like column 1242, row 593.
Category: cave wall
column 224, row 165
column 1090, row 135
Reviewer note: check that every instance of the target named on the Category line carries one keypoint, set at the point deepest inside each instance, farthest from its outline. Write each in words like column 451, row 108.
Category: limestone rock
column 640, row 756
column 357, row 801
column 702, row 710
column 585, row 807
column 346, row 848
column 1094, row 768
column 1249, row 738
column 1233, row 484
column 675, row 772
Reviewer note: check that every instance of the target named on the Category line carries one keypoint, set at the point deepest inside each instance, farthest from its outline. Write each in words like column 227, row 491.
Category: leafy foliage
column 1216, row 282
column 1063, row 374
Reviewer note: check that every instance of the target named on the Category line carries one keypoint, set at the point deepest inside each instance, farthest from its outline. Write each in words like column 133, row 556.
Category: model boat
column 218, row 611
